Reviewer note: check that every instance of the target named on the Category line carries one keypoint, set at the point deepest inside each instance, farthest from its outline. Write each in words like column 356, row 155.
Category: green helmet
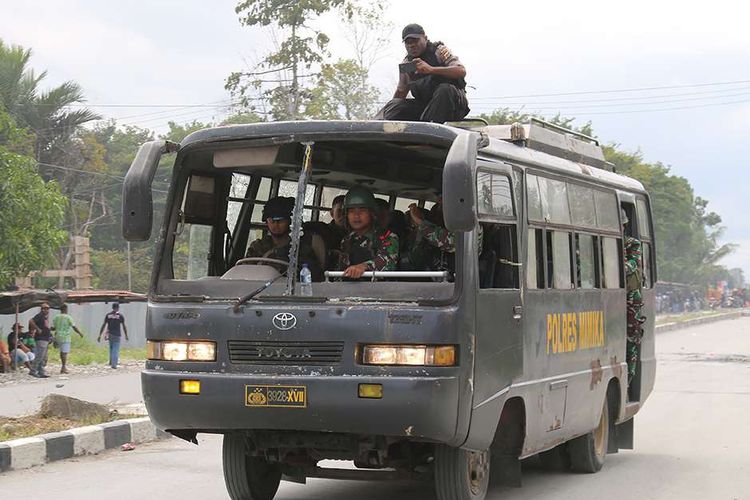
column 359, row 197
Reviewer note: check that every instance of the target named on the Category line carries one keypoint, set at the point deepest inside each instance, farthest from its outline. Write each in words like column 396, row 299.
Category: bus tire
column 461, row 474
column 587, row 452
column 556, row 459
column 247, row 477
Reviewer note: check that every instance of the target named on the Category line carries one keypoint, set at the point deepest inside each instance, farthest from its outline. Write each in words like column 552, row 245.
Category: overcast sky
column 517, row 54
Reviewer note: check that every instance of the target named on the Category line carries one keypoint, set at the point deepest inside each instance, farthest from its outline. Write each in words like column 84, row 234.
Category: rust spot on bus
column 596, row 373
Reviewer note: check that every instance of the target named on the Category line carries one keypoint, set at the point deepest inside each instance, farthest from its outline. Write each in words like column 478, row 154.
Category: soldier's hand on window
column 416, row 214
column 355, row 271
column 422, row 67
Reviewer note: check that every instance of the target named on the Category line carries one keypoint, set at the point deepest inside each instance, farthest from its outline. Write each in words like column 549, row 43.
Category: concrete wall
column 89, row 319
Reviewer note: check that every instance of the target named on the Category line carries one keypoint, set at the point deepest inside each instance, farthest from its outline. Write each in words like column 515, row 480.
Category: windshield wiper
column 245, row 298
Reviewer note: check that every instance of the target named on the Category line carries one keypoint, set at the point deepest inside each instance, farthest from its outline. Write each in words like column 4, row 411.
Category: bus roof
column 538, row 154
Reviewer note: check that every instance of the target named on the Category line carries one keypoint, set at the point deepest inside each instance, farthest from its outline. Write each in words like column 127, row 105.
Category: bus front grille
column 247, row 352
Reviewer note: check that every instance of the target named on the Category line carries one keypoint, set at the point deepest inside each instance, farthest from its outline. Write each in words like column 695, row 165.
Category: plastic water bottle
column 305, row 281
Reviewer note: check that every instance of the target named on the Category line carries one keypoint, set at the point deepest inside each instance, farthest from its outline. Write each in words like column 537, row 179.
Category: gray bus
column 517, row 348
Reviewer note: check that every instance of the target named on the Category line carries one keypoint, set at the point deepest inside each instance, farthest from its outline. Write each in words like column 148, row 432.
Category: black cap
column 278, row 208
column 411, row 30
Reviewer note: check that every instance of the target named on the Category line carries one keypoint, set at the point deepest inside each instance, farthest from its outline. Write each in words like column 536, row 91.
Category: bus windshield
column 362, row 218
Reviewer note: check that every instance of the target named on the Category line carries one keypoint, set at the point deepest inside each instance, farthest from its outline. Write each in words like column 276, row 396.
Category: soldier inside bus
column 432, row 247
column 367, row 247
column 277, row 213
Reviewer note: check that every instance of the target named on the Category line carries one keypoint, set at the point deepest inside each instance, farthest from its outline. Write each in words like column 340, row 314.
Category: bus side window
column 647, row 267
column 559, row 263
column 612, row 262
column 535, row 259
column 498, row 263
column 586, row 265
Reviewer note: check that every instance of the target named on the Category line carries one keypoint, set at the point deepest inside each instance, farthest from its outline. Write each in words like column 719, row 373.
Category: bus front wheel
column 248, row 477
column 587, row 452
column 461, row 474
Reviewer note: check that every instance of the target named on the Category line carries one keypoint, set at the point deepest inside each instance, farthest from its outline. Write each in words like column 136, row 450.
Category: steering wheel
column 256, row 260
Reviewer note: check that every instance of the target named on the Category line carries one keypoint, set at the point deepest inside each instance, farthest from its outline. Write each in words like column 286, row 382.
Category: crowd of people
column 677, row 300
column 30, row 348
column 363, row 235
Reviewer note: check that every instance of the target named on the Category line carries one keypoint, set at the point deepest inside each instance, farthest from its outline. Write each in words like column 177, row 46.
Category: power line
column 708, row 93
column 613, row 91
column 104, row 174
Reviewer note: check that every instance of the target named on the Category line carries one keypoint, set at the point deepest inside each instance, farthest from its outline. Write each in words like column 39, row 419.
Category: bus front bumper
column 415, row 407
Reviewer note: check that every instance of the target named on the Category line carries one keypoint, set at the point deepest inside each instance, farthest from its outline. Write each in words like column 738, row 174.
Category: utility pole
column 130, row 278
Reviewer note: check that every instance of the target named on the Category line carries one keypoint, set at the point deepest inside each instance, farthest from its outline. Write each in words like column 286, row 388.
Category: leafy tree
column 14, row 138
column 46, row 113
column 110, row 268
column 32, row 213
column 687, row 234
column 242, row 119
column 340, row 93
column 299, row 49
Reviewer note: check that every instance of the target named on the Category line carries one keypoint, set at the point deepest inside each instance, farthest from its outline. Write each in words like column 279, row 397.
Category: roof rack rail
column 549, row 138
column 563, row 130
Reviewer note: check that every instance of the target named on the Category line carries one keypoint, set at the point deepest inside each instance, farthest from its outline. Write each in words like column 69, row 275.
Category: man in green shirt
column 64, row 327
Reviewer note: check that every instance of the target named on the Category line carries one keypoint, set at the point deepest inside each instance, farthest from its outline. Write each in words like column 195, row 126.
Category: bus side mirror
column 459, row 200
column 137, row 202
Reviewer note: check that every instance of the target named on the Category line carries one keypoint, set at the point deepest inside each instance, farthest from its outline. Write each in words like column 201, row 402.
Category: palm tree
column 47, row 114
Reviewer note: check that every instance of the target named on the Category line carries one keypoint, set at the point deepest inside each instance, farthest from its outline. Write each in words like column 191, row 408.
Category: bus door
column 498, row 351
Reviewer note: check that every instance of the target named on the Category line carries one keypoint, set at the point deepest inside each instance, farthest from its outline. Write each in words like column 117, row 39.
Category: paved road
column 691, row 443
column 21, row 394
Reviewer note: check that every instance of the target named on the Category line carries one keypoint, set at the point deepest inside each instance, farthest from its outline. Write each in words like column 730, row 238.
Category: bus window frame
column 501, row 168
column 597, row 232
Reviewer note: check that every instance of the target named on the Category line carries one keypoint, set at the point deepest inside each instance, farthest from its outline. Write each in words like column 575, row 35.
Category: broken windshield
column 358, row 216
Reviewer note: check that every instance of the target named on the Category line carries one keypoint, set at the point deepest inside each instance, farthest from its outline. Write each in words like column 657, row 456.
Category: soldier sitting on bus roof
column 435, row 78
column 277, row 213
column 367, row 247
column 434, row 247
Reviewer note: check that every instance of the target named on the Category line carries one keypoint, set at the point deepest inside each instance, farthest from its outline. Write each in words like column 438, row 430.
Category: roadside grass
column 33, row 425
column 679, row 318
column 86, row 352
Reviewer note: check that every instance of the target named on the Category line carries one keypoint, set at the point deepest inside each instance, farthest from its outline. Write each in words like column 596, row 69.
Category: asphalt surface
column 692, row 442
column 21, row 394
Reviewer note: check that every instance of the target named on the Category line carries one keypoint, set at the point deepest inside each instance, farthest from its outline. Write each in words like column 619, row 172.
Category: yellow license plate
column 276, row 396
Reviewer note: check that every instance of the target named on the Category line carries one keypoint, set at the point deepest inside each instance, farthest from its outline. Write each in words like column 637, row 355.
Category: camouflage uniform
column 433, row 249
column 264, row 247
column 378, row 248
column 635, row 318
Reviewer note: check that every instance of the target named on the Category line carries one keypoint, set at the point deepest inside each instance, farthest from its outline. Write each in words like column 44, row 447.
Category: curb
column 37, row 450
column 668, row 327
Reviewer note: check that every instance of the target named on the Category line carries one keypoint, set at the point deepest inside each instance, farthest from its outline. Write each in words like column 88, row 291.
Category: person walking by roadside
column 64, row 327
column 112, row 323
column 39, row 326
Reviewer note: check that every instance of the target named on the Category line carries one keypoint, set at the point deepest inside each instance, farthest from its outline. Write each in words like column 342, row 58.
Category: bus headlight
column 178, row 350
column 410, row 355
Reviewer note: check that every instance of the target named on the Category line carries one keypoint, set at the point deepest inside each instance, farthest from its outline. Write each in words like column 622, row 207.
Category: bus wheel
column 461, row 474
column 247, row 477
column 587, row 452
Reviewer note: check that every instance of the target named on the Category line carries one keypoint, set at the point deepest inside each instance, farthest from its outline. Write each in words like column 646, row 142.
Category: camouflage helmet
column 360, row 197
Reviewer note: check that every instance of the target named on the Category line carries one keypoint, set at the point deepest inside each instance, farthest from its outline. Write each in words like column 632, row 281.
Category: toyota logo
column 284, row 321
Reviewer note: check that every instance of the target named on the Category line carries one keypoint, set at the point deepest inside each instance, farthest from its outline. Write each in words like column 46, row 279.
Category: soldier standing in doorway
column 435, row 77
column 633, row 285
